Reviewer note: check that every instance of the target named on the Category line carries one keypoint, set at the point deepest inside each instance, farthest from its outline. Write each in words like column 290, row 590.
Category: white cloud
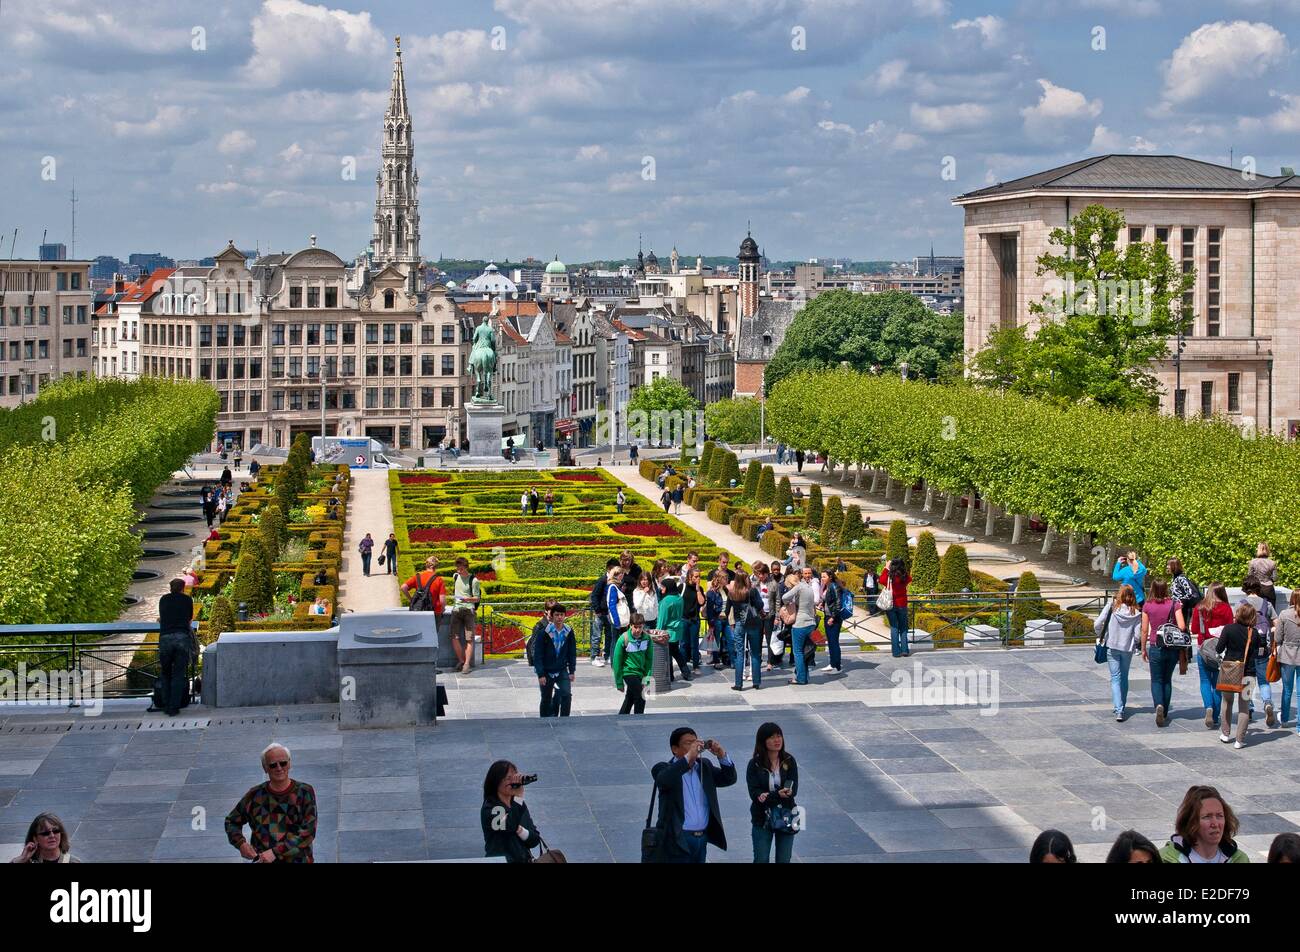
column 1057, row 102
column 1106, row 140
column 224, row 188
column 307, row 45
column 954, row 118
column 989, row 27
column 167, row 122
column 294, row 151
column 889, row 75
column 1216, row 54
column 236, row 142
column 592, row 153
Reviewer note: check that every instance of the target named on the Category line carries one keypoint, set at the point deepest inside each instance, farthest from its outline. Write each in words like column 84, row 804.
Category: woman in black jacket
column 773, row 780
column 508, row 830
column 1232, row 647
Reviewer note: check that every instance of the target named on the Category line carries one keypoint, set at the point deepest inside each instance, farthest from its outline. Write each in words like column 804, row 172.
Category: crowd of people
column 1240, row 648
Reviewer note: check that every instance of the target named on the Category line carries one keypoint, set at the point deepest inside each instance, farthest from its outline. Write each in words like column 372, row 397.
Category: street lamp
column 1179, row 411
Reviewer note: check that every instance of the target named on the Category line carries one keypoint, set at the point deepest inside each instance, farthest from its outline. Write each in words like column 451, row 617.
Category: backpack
column 531, row 647
column 422, row 597
column 846, row 603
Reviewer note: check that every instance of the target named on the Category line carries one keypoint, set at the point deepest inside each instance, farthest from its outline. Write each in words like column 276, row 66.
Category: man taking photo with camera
column 687, row 785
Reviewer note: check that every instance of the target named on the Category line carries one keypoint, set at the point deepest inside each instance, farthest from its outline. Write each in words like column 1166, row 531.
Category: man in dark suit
column 689, row 819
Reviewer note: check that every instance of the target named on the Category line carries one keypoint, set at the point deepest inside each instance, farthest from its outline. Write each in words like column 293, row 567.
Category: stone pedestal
column 388, row 669
column 982, row 636
column 484, row 423
column 1044, row 633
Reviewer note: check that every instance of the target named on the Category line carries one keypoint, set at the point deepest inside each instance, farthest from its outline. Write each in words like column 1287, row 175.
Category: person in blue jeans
column 897, row 578
column 772, row 777
column 1288, row 653
column 800, row 596
column 1130, row 571
column 832, row 596
column 1265, row 620
column 555, row 662
column 1212, row 612
column 746, row 628
column 1160, row 610
column 1119, row 627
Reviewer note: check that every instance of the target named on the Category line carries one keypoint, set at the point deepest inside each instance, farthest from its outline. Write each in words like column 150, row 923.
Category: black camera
column 525, row 780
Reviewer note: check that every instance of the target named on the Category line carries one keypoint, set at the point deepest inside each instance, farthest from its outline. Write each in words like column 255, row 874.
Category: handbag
column 1273, row 670
column 381, row 560
column 651, row 836
column 780, row 818
column 1233, row 673
column 1169, row 635
column 547, row 855
column 1100, row 653
column 1209, row 653
column 788, row 614
column 885, row 600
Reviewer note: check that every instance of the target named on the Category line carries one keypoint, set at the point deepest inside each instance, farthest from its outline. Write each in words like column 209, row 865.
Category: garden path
column 369, row 510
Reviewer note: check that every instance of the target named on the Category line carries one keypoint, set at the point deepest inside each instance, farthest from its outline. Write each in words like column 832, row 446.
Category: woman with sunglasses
column 508, row 829
column 47, row 842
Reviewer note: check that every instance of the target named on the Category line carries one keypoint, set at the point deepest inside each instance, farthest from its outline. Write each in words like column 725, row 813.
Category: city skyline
column 831, row 126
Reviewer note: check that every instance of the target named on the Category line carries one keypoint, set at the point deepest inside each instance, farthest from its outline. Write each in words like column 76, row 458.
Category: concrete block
column 388, row 669
column 982, row 636
column 257, row 668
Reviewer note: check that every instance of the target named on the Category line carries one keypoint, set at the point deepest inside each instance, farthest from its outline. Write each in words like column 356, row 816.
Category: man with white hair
column 280, row 813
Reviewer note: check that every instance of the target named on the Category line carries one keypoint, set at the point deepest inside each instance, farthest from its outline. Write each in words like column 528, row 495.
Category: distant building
column 104, row 267
column 54, row 252
column 45, row 329
column 150, row 261
column 937, row 264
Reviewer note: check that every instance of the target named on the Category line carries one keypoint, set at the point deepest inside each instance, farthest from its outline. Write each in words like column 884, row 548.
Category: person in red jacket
column 897, row 578
column 1207, row 618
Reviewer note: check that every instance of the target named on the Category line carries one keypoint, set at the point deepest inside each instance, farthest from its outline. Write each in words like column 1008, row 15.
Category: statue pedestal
column 484, row 423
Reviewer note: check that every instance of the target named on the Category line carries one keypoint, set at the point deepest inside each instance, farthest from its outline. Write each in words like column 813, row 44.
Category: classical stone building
column 45, row 325
column 1240, row 234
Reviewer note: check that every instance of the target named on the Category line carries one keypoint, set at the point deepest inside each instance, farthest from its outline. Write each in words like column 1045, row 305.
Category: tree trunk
column 889, row 485
column 990, row 519
column 1072, row 554
column 844, row 478
column 907, row 495
column 1018, row 529
column 875, row 480
column 857, row 478
column 1048, row 537
column 949, row 506
column 929, row 499
column 970, row 510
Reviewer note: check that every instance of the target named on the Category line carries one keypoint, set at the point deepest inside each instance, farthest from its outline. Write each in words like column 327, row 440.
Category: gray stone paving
column 881, row 782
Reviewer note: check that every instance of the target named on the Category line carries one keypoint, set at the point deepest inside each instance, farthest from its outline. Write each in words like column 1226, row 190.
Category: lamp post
column 1179, row 411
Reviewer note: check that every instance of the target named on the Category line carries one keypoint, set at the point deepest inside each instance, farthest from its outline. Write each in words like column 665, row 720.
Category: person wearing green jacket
column 670, row 620
column 633, row 660
column 1204, row 830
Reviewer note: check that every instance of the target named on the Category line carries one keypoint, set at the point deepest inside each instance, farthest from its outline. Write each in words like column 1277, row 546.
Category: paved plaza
column 881, row 781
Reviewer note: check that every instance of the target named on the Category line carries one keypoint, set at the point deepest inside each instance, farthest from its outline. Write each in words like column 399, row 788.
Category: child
column 633, row 660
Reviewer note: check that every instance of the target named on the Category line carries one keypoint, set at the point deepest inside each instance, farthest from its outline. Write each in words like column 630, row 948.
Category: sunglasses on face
column 277, row 764
column 49, row 832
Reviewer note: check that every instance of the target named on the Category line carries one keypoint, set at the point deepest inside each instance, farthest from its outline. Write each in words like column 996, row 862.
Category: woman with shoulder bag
column 1288, row 652
column 772, row 777
column 1237, row 670
column 508, row 829
column 715, row 604
column 1163, row 630
column 1206, row 622
column 1118, row 629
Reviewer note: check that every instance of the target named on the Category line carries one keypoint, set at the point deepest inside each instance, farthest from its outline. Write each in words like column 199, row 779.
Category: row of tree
column 1195, row 490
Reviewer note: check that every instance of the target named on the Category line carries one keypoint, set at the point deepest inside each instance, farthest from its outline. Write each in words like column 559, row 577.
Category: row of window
column 1207, row 397
column 314, row 296
column 1182, row 248
column 29, row 315
column 315, row 334
column 375, row 366
column 387, row 398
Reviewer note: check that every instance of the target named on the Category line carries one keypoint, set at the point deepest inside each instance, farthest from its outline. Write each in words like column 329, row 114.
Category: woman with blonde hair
column 1264, row 568
column 1207, row 621
column 1237, row 643
column 1120, row 626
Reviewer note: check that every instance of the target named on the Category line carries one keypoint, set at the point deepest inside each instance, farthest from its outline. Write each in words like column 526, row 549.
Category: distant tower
column 749, row 274
column 555, row 282
column 673, row 259
column 640, row 258
column 932, row 271
column 651, row 263
column 397, row 205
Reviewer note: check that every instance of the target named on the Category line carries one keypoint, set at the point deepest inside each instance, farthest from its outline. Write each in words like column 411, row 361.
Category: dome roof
column 651, row 257
column 450, row 285
column 748, row 249
column 491, row 281
column 556, row 267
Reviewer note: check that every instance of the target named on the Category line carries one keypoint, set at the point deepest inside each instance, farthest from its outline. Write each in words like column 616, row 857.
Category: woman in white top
column 1121, row 624
column 644, row 598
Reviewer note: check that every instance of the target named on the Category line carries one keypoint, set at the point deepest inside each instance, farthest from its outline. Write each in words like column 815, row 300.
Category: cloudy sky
column 569, row 126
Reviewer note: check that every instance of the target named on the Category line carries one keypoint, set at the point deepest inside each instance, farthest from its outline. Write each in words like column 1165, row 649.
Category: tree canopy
column 733, row 421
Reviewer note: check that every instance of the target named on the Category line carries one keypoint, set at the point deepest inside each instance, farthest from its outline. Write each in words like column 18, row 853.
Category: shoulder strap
column 654, row 792
column 420, row 586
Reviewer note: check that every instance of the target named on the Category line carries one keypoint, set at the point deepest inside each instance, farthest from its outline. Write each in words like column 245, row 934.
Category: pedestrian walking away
column 892, row 600
column 772, row 777
column 745, row 632
column 1288, row 652
column 1119, row 627
column 1158, row 612
column 601, row 631
column 1207, row 621
column 833, row 617
column 670, row 620
column 1237, row 672
column 176, row 649
column 533, row 499
column 800, row 616
column 390, row 554
column 798, row 459
column 366, row 546
column 633, row 661
column 280, row 815
column 1265, row 622
column 687, row 788
column 555, row 662
column 1264, row 568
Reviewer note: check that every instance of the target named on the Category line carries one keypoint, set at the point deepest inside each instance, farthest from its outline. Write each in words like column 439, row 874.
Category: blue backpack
column 846, row 603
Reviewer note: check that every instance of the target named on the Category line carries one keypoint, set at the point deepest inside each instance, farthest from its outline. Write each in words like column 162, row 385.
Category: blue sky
column 538, row 123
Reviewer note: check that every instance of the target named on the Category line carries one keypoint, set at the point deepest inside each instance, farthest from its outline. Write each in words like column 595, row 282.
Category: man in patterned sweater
column 281, row 814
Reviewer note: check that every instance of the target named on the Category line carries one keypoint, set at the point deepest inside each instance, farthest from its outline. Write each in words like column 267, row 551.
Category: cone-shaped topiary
column 1028, row 603
column 925, row 567
column 896, row 544
column 717, row 463
column 954, row 570
column 706, row 459
column 272, row 528
column 766, row 493
column 784, row 497
column 685, row 456
column 220, row 618
column 753, row 473
column 831, row 522
column 286, row 491
column 853, row 528
column 814, row 512
column 254, row 580
column 731, row 471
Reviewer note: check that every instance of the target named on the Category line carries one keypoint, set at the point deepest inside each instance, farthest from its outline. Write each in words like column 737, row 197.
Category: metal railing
column 502, row 636
column 130, row 670
column 960, row 609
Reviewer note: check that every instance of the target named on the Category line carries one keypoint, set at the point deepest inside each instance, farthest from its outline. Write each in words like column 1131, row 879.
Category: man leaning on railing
column 176, row 648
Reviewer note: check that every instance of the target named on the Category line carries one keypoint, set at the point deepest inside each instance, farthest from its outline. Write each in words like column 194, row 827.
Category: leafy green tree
column 867, row 330
column 1103, row 328
column 831, row 522
column 221, row 618
column 666, row 405
column 254, row 581
column 731, row 470
column 854, row 527
column 896, row 543
column 784, row 496
column 814, row 512
column 753, row 473
column 736, row 420
column 925, row 570
column 954, row 570
column 766, row 494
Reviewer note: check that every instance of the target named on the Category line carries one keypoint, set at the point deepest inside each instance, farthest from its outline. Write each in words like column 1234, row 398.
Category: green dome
column 555, row 267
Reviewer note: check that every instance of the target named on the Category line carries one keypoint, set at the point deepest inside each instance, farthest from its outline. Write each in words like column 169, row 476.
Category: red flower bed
column 645, row 529
column 580, row 477
column 416, row 479
column 501, row 640
column 537, row 543
column 488, row 576
column 441, row 534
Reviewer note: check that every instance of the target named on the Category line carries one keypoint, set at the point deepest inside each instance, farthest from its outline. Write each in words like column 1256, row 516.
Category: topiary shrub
column 1027, row 604
column 273, row 530
column 815, row 512
column 784, row 497
column 954, row 570
column 254, row 580
column 753, row 473
column 831, row 522
column 731, row 471
column 220, row 618
column 765, row 495
column 925, row 567
column 706, row 458
column 854, row 528
column 718, row 510
column 896, row 543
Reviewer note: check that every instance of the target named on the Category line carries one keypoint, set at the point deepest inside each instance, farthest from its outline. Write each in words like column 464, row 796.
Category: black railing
column 959, row 609
column 130, row 670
